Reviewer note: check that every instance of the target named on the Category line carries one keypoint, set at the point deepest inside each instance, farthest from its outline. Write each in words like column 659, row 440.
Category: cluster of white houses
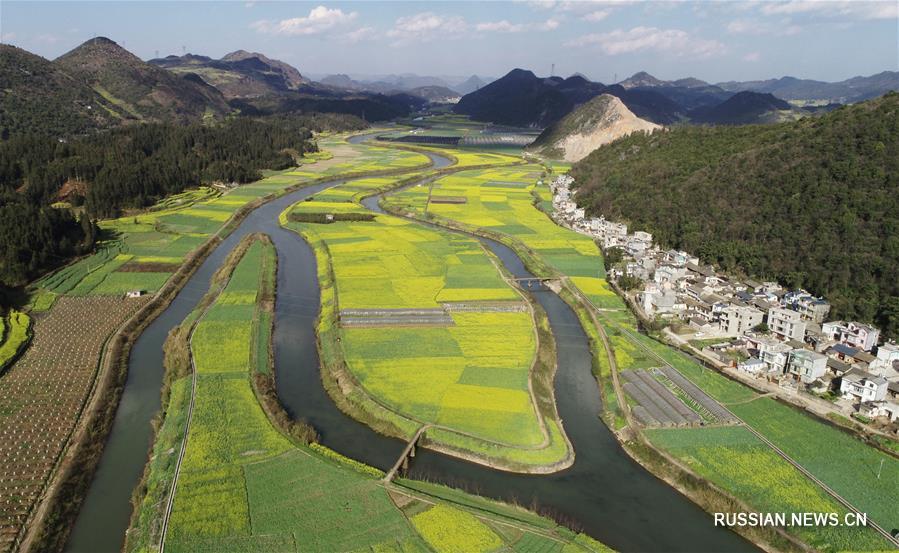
column 782, row 335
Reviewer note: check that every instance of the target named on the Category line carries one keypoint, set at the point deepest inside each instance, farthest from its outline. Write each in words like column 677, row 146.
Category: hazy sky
column 711, row 40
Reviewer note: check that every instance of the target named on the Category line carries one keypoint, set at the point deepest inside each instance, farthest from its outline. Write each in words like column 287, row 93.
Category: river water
column 604, row 493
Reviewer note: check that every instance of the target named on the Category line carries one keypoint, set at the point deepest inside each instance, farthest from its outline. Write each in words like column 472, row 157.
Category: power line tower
column 183, row 49
column 552, row 70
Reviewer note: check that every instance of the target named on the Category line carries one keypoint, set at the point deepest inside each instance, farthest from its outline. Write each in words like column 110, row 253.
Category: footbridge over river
column 408, row 453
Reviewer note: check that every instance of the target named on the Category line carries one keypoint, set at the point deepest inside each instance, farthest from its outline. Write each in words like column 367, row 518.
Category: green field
column 243, row 486
column 15, row 332
column 141, row 251
column 736, row 460
column 470, row 377
column 850, row 467
column 498, row 205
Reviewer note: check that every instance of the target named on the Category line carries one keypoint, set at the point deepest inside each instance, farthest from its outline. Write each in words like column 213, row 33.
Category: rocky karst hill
column 599, row 121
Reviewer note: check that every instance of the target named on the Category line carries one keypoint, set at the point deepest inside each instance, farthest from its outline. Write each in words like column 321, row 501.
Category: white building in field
column 775, row 354
column 854, row 334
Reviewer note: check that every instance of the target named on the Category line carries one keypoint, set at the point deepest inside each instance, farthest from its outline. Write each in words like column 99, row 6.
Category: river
column 604, row 493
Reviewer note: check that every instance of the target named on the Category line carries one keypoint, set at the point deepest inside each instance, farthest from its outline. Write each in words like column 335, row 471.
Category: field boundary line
column 475, row 511
column 190, row 411
column 547, row 439
column 808, row 474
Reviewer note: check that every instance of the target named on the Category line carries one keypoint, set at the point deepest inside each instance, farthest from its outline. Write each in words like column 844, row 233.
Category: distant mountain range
column 520, row 98
column 746, row 108
column 100, row 85
column 409, row 83
column 96, row 85
column 849, row 91
column 240, row 74
column 142, row 90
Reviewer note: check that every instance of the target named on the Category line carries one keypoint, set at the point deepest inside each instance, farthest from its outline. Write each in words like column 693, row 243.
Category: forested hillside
column 144, row 91
column 129, row 167
column 813, row 203
column 37, row 96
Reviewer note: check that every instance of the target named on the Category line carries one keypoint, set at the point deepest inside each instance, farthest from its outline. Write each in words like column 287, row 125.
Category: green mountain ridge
column 38, row 96
column 145, row 91
column 240, row 74
column 811, row 203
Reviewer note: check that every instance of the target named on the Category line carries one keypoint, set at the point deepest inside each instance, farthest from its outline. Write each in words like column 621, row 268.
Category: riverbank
column 348, row 482
column 415, row 204
column 555, row 453
column 78, row 478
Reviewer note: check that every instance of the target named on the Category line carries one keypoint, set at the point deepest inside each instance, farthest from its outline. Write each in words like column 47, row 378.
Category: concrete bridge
column 408, row 453
column 535, row 283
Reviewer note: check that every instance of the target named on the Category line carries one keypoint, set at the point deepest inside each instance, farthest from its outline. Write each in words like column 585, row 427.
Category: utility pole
column 552, row 71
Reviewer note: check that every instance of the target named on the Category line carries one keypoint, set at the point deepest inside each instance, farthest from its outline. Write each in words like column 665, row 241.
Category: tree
column 627, row 283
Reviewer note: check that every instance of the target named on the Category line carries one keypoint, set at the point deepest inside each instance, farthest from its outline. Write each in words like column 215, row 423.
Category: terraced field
column 243, row 486
column 506, row 201
column 470, row 374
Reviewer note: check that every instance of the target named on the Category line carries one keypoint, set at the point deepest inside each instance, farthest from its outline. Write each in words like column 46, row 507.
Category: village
column 777, row 340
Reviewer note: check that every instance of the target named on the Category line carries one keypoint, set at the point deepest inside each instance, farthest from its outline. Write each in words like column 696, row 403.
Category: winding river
column 604, row 493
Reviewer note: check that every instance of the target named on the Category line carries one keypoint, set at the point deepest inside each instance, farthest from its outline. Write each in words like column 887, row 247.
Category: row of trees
column 813, row 203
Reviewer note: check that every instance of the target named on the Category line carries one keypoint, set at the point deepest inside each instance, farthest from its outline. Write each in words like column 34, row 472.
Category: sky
column 606, row 40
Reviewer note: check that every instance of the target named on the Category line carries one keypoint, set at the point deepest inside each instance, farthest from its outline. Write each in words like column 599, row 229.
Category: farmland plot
column 465, row 368
column 511, row 211
column 244, row 486
column 739, row 462
column 15, row 331
column 143, row 250
column 42, row 395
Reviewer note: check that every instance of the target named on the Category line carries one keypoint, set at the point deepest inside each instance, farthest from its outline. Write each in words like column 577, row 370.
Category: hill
column 384, row 84
column 436, row 94
column 642, row 79
column 851, row 90
column 240, row 74
column 811, row 203
column 745, row 108
column 470, row 85
column 37, row 96
column 598, row 121
column 522, row 99
column 144, row 91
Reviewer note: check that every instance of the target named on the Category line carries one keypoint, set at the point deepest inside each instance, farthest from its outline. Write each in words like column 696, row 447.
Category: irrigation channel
column 604, row 493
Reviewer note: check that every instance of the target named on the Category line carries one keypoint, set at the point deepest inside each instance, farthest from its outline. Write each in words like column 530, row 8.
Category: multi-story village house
column 736, row 320
column 854, row 334
column 786, row 323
